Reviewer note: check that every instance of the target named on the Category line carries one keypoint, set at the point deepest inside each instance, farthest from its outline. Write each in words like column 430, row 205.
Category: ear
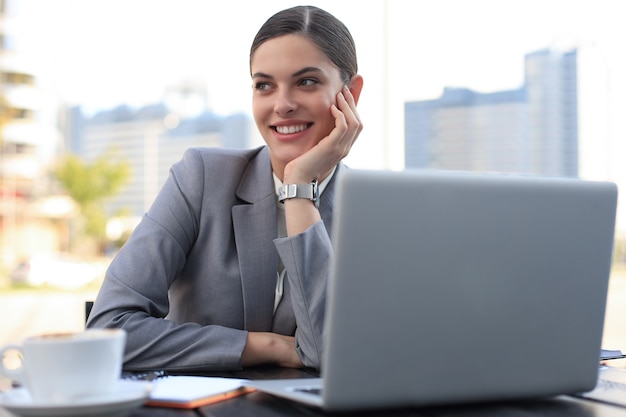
column 355, row 86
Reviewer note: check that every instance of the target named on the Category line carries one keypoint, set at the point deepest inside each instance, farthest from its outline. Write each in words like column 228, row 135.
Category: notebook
column 452, row 287
column 181, row 391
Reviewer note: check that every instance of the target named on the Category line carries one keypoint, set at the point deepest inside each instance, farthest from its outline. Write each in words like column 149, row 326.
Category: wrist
column 307, row 191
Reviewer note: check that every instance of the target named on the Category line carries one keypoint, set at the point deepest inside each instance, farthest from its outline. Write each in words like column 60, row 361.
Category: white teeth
column 290, row 129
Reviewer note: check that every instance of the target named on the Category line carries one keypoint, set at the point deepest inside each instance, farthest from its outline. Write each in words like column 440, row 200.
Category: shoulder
column 215, row 160
column 220, row 156
column 223, row 173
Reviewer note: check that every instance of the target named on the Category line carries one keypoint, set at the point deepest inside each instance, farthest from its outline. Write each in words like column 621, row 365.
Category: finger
column 348, row 107
column 345, row 132
column 349, row 97
column 341, row 124
column 347, row 94
column 344, row 107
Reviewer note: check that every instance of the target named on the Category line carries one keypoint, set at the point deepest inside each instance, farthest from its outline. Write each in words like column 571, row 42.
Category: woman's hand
column 319, row 161
column 270, row 348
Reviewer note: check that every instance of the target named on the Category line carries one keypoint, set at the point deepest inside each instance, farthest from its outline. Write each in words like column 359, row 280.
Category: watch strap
column 306, row 191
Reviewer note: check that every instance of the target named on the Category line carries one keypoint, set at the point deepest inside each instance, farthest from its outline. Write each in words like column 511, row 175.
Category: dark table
column 263, row 405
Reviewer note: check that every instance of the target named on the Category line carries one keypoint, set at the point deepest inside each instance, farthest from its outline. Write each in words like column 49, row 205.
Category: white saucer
column 128, row 395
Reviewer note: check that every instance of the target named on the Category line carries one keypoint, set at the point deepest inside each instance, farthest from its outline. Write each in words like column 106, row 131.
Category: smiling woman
column 295, row 85
column 219, row 255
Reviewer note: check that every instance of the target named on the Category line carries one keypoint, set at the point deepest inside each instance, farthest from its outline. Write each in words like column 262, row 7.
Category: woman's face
column 294, row 85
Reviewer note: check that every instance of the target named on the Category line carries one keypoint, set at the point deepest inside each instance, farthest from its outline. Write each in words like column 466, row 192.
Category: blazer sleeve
column 307, row 258
column 134, row 294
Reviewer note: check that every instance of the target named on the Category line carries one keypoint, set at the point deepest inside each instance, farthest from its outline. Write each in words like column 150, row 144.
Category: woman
column 220, row 274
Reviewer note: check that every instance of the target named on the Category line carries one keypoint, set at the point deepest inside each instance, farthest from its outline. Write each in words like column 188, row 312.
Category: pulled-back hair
column 326, row 31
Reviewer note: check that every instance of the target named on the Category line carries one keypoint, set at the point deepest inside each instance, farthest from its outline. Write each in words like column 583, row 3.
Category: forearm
column 307, row 259
column 158, row 343
column 300, row 214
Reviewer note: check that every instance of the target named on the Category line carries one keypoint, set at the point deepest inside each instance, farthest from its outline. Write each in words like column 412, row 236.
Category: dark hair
column 322, row 28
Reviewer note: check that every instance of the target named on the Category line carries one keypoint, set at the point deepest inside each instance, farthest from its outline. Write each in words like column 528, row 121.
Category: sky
column 103, row 53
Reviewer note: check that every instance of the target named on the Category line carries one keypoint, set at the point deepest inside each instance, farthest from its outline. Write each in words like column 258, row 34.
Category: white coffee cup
column 65, row 367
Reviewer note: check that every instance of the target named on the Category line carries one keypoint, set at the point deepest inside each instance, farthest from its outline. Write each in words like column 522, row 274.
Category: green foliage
column 90, row 184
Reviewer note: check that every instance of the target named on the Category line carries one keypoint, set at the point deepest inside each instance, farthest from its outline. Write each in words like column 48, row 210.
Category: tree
column 90, row 184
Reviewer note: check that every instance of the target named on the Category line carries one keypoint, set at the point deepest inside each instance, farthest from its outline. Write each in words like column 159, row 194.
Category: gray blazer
column 200, row 269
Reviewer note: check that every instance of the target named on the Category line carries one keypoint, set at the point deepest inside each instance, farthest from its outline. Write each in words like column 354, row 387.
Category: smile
column 286, row 130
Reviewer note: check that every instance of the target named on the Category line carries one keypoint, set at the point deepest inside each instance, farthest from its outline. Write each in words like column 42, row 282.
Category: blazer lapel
column 255, row 228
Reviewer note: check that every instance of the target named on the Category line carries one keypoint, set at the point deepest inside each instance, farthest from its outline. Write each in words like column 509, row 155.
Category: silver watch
column 307, row 191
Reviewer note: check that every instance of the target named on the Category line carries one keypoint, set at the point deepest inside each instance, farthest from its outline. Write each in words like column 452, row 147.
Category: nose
column 285, row 103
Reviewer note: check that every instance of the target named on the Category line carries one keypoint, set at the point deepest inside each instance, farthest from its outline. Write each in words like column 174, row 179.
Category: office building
column 544, row 127
column 150, row 139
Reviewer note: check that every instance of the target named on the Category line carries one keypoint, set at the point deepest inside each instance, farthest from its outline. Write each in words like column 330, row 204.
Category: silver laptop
column 452, row 287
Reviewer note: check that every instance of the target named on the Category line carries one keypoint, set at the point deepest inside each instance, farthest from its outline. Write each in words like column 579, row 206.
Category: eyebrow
column 294, row 75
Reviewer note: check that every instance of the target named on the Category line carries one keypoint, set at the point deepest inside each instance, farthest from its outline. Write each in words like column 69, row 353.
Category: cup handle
column 14, row 373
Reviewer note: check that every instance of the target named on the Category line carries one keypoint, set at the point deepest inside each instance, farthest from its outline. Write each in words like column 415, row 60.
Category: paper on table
column 194, row 391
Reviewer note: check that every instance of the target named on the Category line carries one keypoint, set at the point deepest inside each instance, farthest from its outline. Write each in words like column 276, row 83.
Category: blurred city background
column 98, row 98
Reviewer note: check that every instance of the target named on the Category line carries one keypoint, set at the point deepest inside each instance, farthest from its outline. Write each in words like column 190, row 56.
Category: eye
column 262, row 86
column 308, row 82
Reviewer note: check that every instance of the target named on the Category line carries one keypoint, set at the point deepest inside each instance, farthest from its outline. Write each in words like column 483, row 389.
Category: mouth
column 291, row 129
